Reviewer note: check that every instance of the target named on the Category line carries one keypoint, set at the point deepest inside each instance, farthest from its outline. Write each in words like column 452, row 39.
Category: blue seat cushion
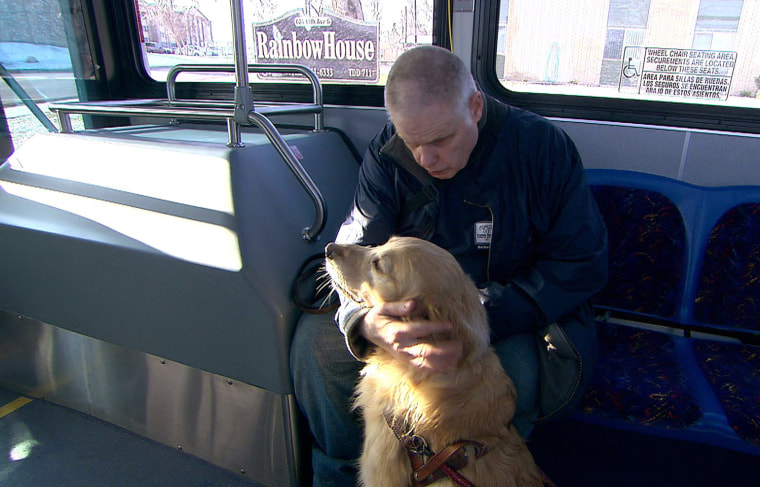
column 639, row 380
column 647, row 250
column 733, row 371
column 728, row 292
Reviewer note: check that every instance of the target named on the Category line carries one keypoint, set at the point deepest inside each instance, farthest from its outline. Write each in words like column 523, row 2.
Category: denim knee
column 324, row 374
column 519, row 357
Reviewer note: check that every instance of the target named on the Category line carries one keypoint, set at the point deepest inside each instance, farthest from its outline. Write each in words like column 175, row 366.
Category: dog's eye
column 376, row 265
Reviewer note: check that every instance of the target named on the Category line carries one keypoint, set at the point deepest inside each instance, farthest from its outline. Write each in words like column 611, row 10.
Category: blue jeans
column 324, row 375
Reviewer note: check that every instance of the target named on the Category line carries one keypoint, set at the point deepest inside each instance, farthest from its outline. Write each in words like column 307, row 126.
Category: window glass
column 689, row 51
column 342, row 41
column 36, row 65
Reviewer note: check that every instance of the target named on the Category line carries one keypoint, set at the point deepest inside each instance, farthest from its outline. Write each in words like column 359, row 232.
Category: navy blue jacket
column 524, row 185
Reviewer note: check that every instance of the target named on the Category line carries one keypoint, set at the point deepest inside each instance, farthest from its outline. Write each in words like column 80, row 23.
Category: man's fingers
column 408, row 333
column 397, row 309
column 423, row 343
column 435, row 357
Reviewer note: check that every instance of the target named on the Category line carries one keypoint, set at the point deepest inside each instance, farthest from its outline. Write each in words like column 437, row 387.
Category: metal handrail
column 148, row 108
column 318, row 104
column 240, row 111
column 201, row 110
column 22, row 95
column 311, row 233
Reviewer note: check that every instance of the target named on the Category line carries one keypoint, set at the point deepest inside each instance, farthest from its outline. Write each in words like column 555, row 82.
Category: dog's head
column 407, row 268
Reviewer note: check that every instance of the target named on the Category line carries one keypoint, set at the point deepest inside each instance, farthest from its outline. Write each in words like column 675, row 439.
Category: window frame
column 139, row 84
column 646, row 112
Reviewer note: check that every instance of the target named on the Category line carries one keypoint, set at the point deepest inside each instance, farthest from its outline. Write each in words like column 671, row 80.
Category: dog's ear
column 467, row 316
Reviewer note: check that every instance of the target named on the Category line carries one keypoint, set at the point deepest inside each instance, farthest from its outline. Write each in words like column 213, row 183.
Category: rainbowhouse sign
column 334, row 47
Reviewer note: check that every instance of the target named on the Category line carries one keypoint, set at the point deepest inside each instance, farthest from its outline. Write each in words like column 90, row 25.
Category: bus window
column 342, row 41
column 686, row 51
column 37, row 66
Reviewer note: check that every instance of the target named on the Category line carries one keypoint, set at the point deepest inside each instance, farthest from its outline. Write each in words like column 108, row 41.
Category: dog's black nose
column 329, row 250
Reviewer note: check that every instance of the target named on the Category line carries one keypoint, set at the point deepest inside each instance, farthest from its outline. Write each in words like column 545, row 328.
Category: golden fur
column 476, row 401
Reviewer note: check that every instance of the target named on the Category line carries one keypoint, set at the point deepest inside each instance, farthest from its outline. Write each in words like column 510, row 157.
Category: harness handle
column 439, row 459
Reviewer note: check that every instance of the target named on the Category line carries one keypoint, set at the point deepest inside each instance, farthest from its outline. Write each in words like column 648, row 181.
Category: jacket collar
column 396, row 149
column 494, row 114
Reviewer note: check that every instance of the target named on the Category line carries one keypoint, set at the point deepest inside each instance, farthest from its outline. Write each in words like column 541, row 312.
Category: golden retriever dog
column 467, row 411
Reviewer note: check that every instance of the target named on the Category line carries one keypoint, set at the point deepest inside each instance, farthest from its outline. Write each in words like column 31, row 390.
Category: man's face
column 440, row 136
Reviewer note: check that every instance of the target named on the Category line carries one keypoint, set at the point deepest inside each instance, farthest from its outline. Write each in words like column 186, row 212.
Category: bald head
column 425, row 75
column 435, row 107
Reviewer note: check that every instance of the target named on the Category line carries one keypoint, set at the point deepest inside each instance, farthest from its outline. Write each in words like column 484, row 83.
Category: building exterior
column 586, row 42
column 20, row 22
column 170, row 29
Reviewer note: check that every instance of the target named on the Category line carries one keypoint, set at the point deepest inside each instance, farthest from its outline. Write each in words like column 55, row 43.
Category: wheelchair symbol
column 629, row 70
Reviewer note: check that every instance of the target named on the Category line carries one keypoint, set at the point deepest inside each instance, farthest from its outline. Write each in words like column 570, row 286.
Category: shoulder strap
column 400, row 153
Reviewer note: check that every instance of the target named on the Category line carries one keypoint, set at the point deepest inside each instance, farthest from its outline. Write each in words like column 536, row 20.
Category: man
column 505, row 193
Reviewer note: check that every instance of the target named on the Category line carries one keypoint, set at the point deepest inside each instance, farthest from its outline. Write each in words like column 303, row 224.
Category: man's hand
column 414, row 341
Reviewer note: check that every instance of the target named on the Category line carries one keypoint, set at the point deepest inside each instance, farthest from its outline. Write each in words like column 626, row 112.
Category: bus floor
column 576, row 453
column 45, row 444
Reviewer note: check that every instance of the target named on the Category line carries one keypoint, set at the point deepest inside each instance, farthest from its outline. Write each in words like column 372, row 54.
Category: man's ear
column 476, row 106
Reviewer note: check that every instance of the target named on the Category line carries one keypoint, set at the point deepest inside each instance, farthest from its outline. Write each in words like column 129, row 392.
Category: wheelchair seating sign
column 684, row 73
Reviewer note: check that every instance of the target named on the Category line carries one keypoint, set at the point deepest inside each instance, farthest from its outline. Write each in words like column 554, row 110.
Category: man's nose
column 428, row 157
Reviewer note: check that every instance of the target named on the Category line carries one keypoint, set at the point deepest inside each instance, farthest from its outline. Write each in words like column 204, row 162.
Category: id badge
column 483, row 232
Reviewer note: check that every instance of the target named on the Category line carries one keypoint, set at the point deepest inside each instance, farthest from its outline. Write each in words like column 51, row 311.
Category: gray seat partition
column 165, row 241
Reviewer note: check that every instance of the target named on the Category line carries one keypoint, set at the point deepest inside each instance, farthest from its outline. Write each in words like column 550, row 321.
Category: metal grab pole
column 173, row 73
column 311, row 233
column 22, row 95
column 243, row 94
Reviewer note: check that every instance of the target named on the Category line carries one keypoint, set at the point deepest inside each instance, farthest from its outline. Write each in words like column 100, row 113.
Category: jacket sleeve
column 371, row 222
column 570, row 261
column 375, row 207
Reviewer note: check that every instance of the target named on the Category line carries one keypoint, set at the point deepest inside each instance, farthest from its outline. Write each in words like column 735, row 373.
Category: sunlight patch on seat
column 183, row 238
